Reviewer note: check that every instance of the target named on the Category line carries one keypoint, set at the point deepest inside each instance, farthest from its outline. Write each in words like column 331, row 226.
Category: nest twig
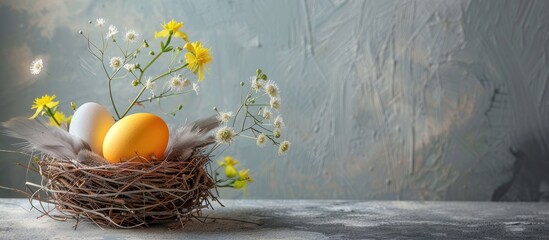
column 125, row 195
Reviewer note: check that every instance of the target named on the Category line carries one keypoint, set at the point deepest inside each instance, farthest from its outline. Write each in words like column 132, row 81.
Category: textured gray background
column 429, row 100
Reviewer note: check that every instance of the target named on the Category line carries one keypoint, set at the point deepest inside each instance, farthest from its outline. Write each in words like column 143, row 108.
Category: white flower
column 195, row 88
column 116, row 63
column 284, row 147
column 277, row 132
column 224, row 116
column 36, row 66
column 256, row 84
column 100, row 22
column 261, row 140
column 176, row 84
column 271, row 88
column 149, row 85
column 131, row 36
column 267, row 114
column 112, row 31
column 278, row 122
column 275, row 103
column 129, row 66
column 225, row 135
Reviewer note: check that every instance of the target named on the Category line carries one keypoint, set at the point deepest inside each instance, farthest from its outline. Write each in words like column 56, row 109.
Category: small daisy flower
column 100, row 22
column 278, row 122
column 271, row 88
column 116, row 63
column 224, row 116
column 256, row 84
column 149, row 84
column 195, row 88
column 277, row 132
column 132, row 36
column 225, row 135
column 267, row 114
column 176, row 84
column 261, row 140
column 284, row 147
column 129, row 66
column 112, row 31
column 36, row 66
column 275, row 103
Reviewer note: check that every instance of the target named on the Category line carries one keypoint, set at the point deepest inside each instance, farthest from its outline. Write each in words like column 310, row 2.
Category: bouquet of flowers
column 130, row 170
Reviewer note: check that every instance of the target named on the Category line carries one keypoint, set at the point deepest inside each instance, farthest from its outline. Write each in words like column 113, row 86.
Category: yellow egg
column 140, row 136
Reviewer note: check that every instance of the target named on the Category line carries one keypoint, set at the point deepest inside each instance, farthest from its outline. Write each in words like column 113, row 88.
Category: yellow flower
column 243, row 179
column 230, row 171
column 40, row 103
column 60, row 117
column 229, row 161
column 197, row 57
column 172, row 27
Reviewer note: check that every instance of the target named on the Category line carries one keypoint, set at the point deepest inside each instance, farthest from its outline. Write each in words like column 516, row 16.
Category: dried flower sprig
column 252, row 118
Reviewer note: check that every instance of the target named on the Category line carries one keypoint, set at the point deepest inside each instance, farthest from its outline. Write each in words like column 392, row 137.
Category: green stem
column 170, row 72
column 136, row 99
column 133, row 102
column 48, row 110
column 112, row 99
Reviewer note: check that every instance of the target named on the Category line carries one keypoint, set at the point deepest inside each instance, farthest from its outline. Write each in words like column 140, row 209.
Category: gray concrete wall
column 430, row 100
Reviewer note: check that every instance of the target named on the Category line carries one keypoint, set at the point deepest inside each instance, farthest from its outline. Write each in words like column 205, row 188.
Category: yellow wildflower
column 59, row 118
column 40, row 103
column 197, row 57
column 229, row 161
column 230, row 171
column 243, row 179
column 172, row 27
column 229, row 164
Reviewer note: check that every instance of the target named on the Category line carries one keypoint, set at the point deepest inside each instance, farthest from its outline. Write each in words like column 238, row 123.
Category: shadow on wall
column 530, row 179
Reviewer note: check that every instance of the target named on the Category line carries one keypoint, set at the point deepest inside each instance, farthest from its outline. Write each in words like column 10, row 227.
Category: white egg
column 91, row 122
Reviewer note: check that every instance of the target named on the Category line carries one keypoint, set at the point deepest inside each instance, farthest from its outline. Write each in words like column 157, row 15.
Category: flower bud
column 258, row 72
column 242, row 84
column 215, row 109
column 179, row 107
column 277, row 133
column 90, row 21
column 145, row 44
column 73, row 106
column 135, row 83
column 80, row 32
column 263, row 76
column 151, row 53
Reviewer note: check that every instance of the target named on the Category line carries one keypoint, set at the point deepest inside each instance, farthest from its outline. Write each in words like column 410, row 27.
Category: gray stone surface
column 310, row 219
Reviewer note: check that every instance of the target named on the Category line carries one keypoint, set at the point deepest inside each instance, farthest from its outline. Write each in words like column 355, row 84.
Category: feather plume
column 47, row 139
column 185, row 139
column 90, row 158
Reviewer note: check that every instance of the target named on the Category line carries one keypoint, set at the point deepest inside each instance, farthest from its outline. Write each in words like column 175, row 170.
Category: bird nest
column 125, row 195
column 82, row 185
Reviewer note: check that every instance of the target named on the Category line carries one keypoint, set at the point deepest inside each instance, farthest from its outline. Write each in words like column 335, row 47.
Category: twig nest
column 129, row 194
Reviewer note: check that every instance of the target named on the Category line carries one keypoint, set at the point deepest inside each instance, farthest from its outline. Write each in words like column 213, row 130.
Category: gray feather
column 185, row 139
column 90, row 158
column 206, row 124
column 47, row 139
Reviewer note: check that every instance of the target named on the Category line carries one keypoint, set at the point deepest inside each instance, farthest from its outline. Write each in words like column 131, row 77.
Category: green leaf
column 162, row 45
